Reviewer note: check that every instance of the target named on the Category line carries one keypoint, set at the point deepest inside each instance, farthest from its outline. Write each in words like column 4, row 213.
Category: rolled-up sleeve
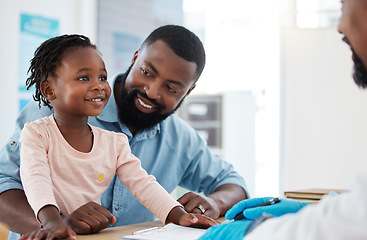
column 9, row 162
column 10, row 153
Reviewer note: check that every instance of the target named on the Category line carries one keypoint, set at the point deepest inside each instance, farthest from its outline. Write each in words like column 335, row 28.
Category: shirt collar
column 110, row 111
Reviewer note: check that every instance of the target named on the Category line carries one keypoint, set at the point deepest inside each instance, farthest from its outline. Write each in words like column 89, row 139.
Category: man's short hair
column 183, row 43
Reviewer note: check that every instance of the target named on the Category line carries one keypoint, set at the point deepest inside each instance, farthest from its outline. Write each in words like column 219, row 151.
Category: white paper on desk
column 170, row 231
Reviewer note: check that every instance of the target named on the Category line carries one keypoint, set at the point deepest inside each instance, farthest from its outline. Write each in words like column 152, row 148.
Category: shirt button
column 12, row 143
column 117, row 208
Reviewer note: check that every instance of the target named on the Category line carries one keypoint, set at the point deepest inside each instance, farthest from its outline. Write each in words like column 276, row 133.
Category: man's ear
column 192, row 88
column 136, row 54
column 47, row 91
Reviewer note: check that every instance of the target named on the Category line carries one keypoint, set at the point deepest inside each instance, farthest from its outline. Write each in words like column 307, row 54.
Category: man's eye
column 145, row 72
column 171, row 89
column 84, row 78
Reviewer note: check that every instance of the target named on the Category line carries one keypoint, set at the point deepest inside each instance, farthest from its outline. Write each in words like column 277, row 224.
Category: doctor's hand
column 196, row 203
column 89, row 218
column 247, row 207
column 231, row 231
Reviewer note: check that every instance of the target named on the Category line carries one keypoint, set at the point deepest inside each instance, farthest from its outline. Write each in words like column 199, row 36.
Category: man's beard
column 360, row 72
column 131, row 116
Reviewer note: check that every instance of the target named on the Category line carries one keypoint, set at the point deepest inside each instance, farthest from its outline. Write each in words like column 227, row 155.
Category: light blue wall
column 112, row 24
column 124, row 24
column 17, row 45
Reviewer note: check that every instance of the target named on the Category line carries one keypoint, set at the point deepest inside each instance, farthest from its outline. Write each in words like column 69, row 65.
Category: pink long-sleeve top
column 54, row 173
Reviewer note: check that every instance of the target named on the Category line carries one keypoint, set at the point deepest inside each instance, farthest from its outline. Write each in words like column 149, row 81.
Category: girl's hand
column 197, row 221
column 51, row 231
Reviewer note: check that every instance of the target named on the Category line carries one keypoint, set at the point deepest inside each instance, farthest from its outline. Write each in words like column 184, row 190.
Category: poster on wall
column 124, row 45
column 33, row 31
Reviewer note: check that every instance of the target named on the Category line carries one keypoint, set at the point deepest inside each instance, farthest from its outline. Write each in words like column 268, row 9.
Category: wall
column 74, row 16
column 230, row 133
column 242, row 48
column 100, row 20
column 324, row 114
column 124, row 24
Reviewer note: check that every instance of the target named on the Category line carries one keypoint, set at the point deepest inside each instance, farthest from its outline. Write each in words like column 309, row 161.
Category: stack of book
column 310, row 195
column 3, row 231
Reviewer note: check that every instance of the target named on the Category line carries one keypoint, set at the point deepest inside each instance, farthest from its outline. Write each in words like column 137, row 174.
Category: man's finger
column 104, row 216
column 104, row 211
column 190, row 201
column 195, row 210
column 184, row 199
column 80, row 227
column 90, row 218
column 94, row 224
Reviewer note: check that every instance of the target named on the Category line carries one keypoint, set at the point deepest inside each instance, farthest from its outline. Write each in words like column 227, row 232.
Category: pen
column 146, row 230
column 270, row 202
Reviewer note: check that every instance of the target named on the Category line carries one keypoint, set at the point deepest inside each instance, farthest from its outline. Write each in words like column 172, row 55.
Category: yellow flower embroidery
column 100, row 177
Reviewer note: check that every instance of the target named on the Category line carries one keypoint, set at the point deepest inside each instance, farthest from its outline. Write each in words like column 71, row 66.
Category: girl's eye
column 103, row 78
column 84, row 78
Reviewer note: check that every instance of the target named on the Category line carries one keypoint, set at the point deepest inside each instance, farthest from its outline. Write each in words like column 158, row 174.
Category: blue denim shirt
column 171, row 151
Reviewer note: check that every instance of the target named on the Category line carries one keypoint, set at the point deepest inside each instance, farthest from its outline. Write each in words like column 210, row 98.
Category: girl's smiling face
column 79, row 86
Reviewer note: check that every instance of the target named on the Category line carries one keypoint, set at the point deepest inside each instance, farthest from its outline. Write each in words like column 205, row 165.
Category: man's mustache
column 136, row 91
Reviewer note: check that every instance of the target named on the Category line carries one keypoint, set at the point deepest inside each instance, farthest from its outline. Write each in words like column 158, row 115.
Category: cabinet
column 227, row 122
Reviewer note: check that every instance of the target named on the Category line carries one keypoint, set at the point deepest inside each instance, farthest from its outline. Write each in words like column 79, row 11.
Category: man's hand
column 53, row 226
column 191, row 200
column 51, row 231
column 89, row 218
column 215, row 204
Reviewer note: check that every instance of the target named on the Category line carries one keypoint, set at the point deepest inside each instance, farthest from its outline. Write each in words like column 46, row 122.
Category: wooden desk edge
column 115, row 233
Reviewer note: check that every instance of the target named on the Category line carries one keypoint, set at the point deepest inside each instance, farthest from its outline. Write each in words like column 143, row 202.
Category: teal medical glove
column 251, row 212
column 231, row 231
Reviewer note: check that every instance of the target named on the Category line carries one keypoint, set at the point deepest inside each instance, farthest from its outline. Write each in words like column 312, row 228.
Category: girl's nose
column 98, row 85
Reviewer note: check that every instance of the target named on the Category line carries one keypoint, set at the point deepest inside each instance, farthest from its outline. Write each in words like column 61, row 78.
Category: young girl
column 65, row 162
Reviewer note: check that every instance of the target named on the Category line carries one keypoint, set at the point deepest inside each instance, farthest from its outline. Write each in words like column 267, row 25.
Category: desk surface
column 115, row 233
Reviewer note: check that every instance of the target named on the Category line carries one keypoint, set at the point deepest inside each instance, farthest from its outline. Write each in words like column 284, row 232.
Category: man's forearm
column 227, row 195
column 16, row 213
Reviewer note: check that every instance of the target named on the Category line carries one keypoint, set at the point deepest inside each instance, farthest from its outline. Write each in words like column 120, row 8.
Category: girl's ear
column 47, row 91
